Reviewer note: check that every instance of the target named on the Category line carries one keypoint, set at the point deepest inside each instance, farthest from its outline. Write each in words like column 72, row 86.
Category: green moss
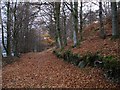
column 112, row 68
column 109, row 63
column 115, row 37
column 90, row 58
column 67, row 54
column 58, row 54
column 75, row 59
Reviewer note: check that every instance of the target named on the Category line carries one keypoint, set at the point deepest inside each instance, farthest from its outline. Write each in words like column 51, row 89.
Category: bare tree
column 1, row 22
column 15, row 31
column 57, row 21
column 101, row 27
column 81, row 19
column 8, row 30
column 114, row 19
column 76, row 21
column 64, row 25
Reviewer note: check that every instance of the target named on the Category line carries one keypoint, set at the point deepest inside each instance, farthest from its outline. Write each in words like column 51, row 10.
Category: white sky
column 57, row 0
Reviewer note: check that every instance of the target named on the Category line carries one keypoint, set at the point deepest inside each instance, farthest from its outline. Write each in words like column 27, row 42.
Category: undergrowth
column 108, row 64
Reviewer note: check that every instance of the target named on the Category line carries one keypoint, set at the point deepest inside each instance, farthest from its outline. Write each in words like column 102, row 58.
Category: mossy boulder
column 112, row 68
column 82, row 64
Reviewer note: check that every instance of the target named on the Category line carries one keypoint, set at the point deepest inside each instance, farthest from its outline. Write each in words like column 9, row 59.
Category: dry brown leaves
column 93, row 43
column 44, row 70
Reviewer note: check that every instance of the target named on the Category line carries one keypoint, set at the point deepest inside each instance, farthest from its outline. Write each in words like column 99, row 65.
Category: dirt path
column 36, row 70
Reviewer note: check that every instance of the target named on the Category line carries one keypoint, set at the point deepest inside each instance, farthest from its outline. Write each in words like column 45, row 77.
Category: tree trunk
column 8, row 31
column 101, row 28
column 26, row 24
column 1, row 22
column 57, row 19
column 114, row 19
column 64, row 23
column 73, row 31
column 81, row 21
column 15, row 33
column 76, row 21
column 74, row 12
column 119, row 6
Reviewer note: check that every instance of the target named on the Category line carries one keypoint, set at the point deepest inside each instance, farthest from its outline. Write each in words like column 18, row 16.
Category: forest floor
column 45, row 70
column 93, row 43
